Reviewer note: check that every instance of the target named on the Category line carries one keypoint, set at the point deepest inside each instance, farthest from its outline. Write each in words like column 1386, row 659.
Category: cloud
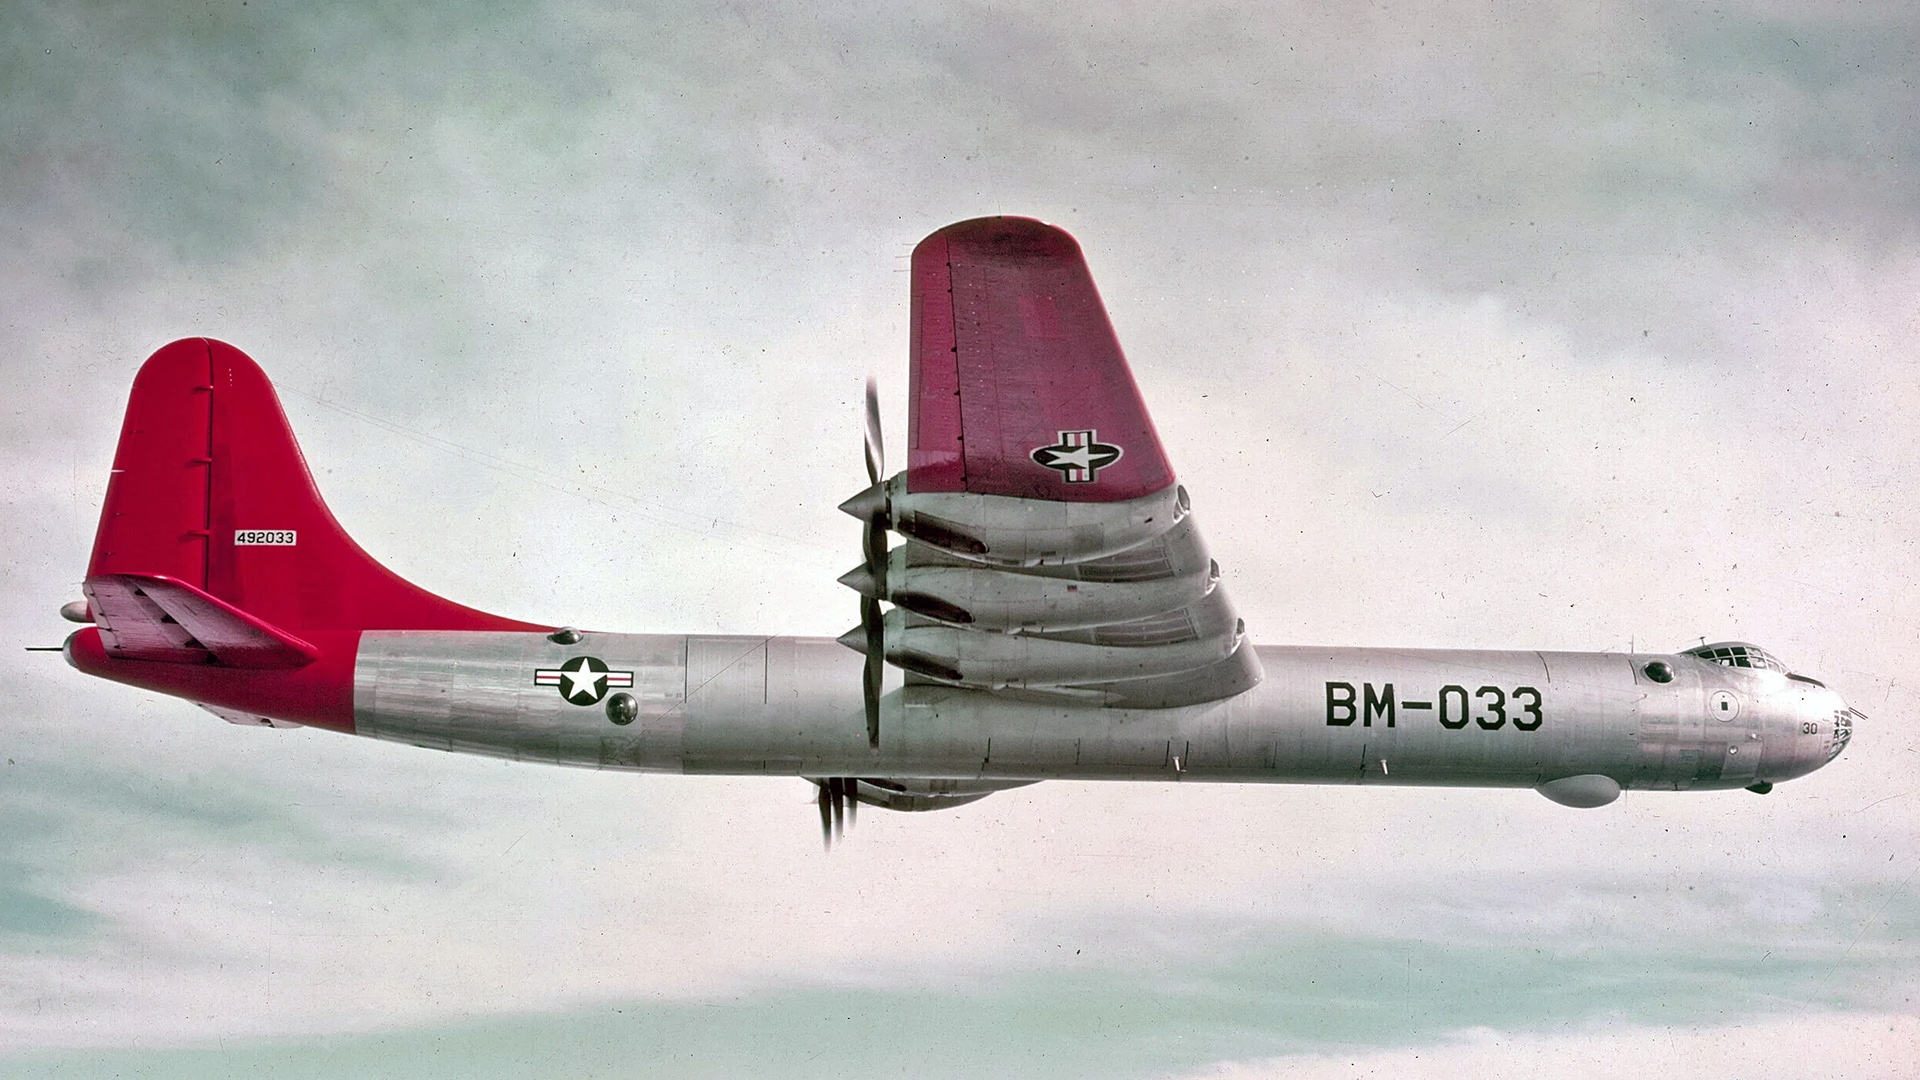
column 357, row 886
column 1139, row 998
column 1816, row 1046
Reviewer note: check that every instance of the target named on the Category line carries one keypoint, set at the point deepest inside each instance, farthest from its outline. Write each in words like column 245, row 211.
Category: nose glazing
column 1842, row 730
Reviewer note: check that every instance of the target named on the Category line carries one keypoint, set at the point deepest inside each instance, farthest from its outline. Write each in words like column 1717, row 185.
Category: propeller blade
column 853, row 799
column 876, row 641
column 875, row 547
column 876, row 453
column 826, row 819
column 870, row 580
column 876, row 665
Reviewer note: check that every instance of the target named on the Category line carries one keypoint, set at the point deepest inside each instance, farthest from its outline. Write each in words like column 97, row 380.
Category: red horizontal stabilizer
column 1018, row 384
column 150, row 617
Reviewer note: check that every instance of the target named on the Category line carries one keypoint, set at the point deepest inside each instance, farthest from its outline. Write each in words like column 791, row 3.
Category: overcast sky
column 1574, row 326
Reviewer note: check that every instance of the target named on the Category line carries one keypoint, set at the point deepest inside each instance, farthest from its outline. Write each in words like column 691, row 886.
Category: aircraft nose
column 1822, row 723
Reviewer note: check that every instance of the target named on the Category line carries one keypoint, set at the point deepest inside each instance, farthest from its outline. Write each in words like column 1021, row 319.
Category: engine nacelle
column 1007, row 531
column 1164, row 574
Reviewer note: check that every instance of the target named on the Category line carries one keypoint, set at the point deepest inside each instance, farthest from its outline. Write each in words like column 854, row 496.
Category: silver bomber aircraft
column 1052, row 613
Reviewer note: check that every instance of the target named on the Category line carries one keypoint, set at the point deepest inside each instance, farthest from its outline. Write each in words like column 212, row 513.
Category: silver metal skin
column 997, row 661
column 1162, row 574
column 792, row 706
column 1009, row 531
column 1118, row 599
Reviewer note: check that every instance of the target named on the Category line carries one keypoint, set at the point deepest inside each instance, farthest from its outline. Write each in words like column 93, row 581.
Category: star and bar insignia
column 583, row 680
column 1079, row 456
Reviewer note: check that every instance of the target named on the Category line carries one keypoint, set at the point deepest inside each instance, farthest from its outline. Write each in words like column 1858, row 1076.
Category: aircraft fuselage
column 792, row 706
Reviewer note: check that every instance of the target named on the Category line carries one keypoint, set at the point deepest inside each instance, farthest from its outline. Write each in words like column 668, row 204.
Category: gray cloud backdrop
column 1501, row 325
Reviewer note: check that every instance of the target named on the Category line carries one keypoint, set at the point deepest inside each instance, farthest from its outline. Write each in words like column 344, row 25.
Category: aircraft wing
column 1012, row 352
column 1050, row 547
column 155, row 617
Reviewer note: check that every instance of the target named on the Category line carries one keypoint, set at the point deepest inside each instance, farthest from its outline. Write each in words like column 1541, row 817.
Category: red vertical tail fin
column 209, row 488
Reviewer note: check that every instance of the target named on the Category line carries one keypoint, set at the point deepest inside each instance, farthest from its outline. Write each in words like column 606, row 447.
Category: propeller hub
column 855, row 639
column 869, row 505
column 861, row 579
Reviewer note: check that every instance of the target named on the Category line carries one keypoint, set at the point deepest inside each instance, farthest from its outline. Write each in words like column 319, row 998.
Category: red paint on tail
column 209, row 490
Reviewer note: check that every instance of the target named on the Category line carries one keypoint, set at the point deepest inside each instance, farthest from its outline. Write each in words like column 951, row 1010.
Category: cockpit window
column 1739, row 654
